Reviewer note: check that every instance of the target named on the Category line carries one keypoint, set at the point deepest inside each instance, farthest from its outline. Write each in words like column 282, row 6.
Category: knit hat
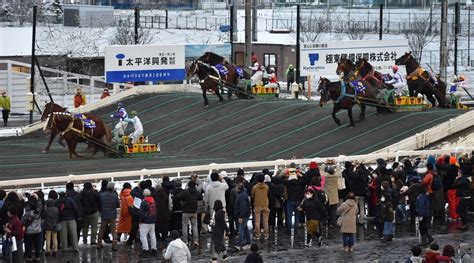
column 313, row 165
column 146, row 192
column 421, row 168
column 240, row 172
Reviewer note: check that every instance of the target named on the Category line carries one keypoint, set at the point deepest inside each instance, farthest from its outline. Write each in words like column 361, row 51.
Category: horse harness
column 70, row 126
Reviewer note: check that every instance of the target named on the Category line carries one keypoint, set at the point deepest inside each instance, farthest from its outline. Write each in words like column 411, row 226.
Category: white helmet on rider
column 256, row 66
column 272, row 69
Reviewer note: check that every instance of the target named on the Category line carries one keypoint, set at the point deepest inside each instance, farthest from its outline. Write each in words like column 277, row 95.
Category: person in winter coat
column 137, row 194
column 219, row 230
column 177, row 251
column 242, row 214
column 90, row 202
column 190, row 198
column 348, row 211
column 280, row 196
column 290, row 76
column 14, row 228
column 433, row 255
column 68, row 213
column 423, row 211
column 72, row 193
column 386, row 215
column 147, row 224
column 448, row 185
column 109, row 202
column 359, row 186
column 464, row 252
column 315, row 212
column 51, row 220
column 215, row 191
column 332, row 173
column 176, row 207
column 125, row 220
column 412, row 192
column 32, row 222
column 416, row 255
column 260, row 203
column 12, row 199
column 461, row 185
column 312, row 172
column 347, row 174
column 295, row 186
column 162, row 213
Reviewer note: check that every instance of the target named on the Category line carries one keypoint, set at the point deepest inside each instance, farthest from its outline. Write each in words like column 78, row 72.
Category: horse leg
column 335, row 109
column 206, row 102
column 73, row 149
column 431, row 99
column 218, row 93
column 50, row 141
column 351, row 120
column 362, row 111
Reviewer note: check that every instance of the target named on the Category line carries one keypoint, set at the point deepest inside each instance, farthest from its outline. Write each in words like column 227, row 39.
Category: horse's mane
column 211, row 57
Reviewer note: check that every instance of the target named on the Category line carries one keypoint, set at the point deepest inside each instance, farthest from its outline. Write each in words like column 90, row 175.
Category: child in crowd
column 254, row 256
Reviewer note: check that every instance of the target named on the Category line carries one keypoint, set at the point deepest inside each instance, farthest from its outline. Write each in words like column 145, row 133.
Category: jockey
column 121, row 114
column 255, row 67
column 397, row 81
column 257, row 77
column 456, row 88
column 272, row 79
column 137, row 124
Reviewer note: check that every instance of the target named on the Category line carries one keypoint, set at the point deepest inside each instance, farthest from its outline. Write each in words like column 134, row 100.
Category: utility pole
column 381, row 22
column 469, row 34
column 298, row 24
column 254, row 21
column 248, row 36
column 443, row 53
column 456, row 36
column 137, row 23
column 231, row 31
column 32, row 68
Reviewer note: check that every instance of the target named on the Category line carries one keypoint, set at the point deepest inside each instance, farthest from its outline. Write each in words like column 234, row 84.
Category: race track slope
column 237, row 130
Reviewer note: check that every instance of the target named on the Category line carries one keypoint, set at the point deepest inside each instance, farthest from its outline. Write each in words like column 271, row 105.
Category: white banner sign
column 320, row 59
column 144, row 63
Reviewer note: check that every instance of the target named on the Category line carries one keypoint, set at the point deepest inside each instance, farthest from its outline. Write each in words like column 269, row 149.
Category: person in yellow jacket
column 79, row 98
column 6, row 106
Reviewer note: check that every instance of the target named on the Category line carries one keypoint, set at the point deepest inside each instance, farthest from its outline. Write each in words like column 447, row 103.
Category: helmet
column 262, row 68
column 120, row 105
column 290, row 66
column 395, row 68
column 256, row 65
column 461, row 78
column 133, row 113
column 272, row 69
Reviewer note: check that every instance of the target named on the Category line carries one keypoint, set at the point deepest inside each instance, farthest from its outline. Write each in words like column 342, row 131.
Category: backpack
column 151, row 208
column 321, row 195
column 436, row 184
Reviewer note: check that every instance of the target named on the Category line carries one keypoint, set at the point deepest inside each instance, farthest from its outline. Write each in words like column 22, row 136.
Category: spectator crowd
column 167, row 219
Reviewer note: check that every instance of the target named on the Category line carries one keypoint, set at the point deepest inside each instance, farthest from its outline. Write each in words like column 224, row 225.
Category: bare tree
column 125, row 34
column 312, row 27
column 419, row 35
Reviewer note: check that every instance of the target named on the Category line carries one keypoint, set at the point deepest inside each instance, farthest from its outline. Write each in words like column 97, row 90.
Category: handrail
column 141, row 174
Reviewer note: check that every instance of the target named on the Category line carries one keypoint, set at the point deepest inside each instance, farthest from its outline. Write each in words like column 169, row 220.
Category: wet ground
column 237, row 130
column 284, row 248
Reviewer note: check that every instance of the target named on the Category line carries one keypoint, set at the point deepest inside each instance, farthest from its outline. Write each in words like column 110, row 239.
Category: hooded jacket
column 242, row 205
column 464, row 253
column 348, row 210
column 109, row 203
column 260, row 195
column 314, row 209
column 295, row 189
column 177, row 251
column 215, row 191
column 51, row 215
column 90, row 201
column 462, row 186
column 414, row 259
column 125, row 222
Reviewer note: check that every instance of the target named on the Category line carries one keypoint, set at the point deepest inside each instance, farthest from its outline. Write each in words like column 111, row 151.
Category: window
column 269, row 60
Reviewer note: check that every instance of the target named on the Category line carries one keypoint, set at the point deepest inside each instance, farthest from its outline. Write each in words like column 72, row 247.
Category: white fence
column 51, row 182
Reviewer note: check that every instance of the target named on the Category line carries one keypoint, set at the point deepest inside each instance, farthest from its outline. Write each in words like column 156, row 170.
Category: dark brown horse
column 365, row 71
column 421, row 81
column 74, row 131
column 333, row 91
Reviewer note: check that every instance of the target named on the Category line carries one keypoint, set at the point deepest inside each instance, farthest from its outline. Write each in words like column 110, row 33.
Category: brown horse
column 74, row 131
column 346, row 100
column 362, row 70
column 420, row 80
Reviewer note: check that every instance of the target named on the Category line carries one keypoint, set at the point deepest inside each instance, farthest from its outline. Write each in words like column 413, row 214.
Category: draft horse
column 420, row 81
column 49, row 108
column 361, row 70
column 210, row 78
column 333, row 91
column 74, row 130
